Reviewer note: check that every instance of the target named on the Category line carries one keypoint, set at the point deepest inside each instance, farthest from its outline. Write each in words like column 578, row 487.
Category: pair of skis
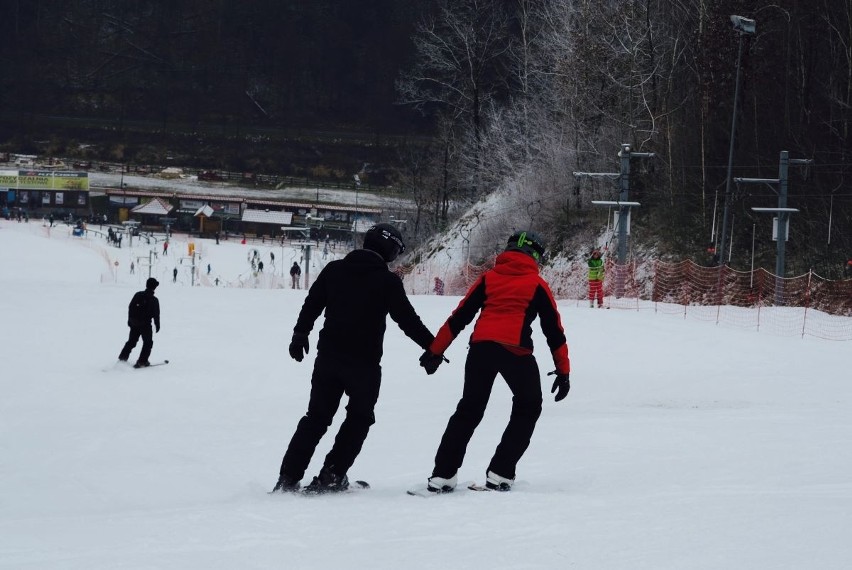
column 419, row 491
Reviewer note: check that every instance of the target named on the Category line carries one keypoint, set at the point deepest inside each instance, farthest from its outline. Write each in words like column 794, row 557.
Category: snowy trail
column 663, row 455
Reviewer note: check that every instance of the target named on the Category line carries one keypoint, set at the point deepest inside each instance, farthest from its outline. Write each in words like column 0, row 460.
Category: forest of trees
column 455, row 99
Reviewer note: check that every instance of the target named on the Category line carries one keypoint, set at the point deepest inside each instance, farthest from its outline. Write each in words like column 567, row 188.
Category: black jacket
column 357, row 293
column 143, row 307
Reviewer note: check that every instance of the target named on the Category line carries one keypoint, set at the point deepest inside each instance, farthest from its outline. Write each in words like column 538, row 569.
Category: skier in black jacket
column 143, row 308
column 356, row 293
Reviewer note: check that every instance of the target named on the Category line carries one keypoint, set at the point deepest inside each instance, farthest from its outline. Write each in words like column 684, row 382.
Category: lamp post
column 742, row 26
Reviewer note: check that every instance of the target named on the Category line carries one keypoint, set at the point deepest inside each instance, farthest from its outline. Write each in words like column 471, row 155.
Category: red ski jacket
column 510, row 296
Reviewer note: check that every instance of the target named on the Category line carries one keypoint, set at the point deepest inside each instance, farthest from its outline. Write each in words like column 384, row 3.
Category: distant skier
column 439, row 286
column 166, row 247
column 174, row 275
column 596, row 279
column 132, row 268
column 357, row 293
column 509, row 296
column 295, row 273
column 260, row 266
column 143, row 308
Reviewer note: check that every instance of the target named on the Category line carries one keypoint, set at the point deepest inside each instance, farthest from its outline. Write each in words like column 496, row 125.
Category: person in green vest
column 596, row 278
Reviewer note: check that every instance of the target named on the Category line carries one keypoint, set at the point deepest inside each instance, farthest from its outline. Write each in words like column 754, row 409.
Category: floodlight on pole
column 743, row 26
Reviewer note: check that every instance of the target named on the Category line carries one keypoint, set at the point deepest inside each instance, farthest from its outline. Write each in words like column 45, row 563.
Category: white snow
column 681, row 444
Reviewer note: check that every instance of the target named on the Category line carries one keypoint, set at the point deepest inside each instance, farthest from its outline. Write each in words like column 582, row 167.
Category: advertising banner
column 35, row 179
column 70, row 180
column 44, row 180
column 125, row 200
column 8, row 178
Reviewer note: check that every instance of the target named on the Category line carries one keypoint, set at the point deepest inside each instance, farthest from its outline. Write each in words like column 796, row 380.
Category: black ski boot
column 285, row 484
column 142, row 364
column 327, row 482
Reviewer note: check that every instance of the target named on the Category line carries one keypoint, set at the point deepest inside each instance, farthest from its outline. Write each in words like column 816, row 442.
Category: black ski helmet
column 527, row 242
column 385, row 240
column 151, row 283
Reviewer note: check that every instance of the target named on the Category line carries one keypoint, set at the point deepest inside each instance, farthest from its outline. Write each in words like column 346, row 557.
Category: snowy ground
column 681, row 444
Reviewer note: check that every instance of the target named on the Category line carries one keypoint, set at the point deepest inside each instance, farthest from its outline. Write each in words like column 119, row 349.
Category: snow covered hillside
column 681, row 444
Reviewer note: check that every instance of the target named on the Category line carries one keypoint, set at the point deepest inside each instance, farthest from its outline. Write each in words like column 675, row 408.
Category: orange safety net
column 758, row 300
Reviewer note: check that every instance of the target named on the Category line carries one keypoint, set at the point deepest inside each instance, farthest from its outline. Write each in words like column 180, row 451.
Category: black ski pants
column 330, row 381
column 484, row 361
column 147, row 335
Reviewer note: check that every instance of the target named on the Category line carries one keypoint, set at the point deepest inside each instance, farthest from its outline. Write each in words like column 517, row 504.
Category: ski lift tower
column 305, row 234
column 623, row 205
column 782, row 213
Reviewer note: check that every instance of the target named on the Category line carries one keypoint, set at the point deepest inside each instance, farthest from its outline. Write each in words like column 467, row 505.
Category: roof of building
column 268, row 217
column 155, row 206
column 204, row 211
column 322, row 206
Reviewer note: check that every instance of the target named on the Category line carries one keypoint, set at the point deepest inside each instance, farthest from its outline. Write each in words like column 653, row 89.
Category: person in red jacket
column 510, row 296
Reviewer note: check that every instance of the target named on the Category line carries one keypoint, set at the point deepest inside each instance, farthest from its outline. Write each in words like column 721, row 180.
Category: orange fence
column 806, row 305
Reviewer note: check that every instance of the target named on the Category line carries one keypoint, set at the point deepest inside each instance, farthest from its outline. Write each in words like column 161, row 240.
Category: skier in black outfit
column 357, row 293
column 295, row 273
column 143, row 308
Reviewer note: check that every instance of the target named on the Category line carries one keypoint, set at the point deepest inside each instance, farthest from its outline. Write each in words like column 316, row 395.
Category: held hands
column 299, row 346
column 430, row 361
column 561, row 385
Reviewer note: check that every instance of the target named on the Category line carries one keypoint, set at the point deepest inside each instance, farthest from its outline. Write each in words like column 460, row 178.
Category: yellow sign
column 70, row 181
column 35, row 179
column 44, row 180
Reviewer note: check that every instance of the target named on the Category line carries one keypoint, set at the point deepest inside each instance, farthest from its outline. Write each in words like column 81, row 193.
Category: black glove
column 299, row 346
column 561, row 385
column 430, row 361
column 158, row 328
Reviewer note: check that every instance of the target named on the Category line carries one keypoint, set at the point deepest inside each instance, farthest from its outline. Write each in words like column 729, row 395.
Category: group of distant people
column 356, row 294
column 114, row 237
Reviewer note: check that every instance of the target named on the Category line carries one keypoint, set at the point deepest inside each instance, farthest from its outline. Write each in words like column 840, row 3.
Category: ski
column 152, row 364
column 354, row 486
column 423, row 491
column 483, row 488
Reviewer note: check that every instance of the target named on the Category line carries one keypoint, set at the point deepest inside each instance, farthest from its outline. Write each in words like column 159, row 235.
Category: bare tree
column 459, row 71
